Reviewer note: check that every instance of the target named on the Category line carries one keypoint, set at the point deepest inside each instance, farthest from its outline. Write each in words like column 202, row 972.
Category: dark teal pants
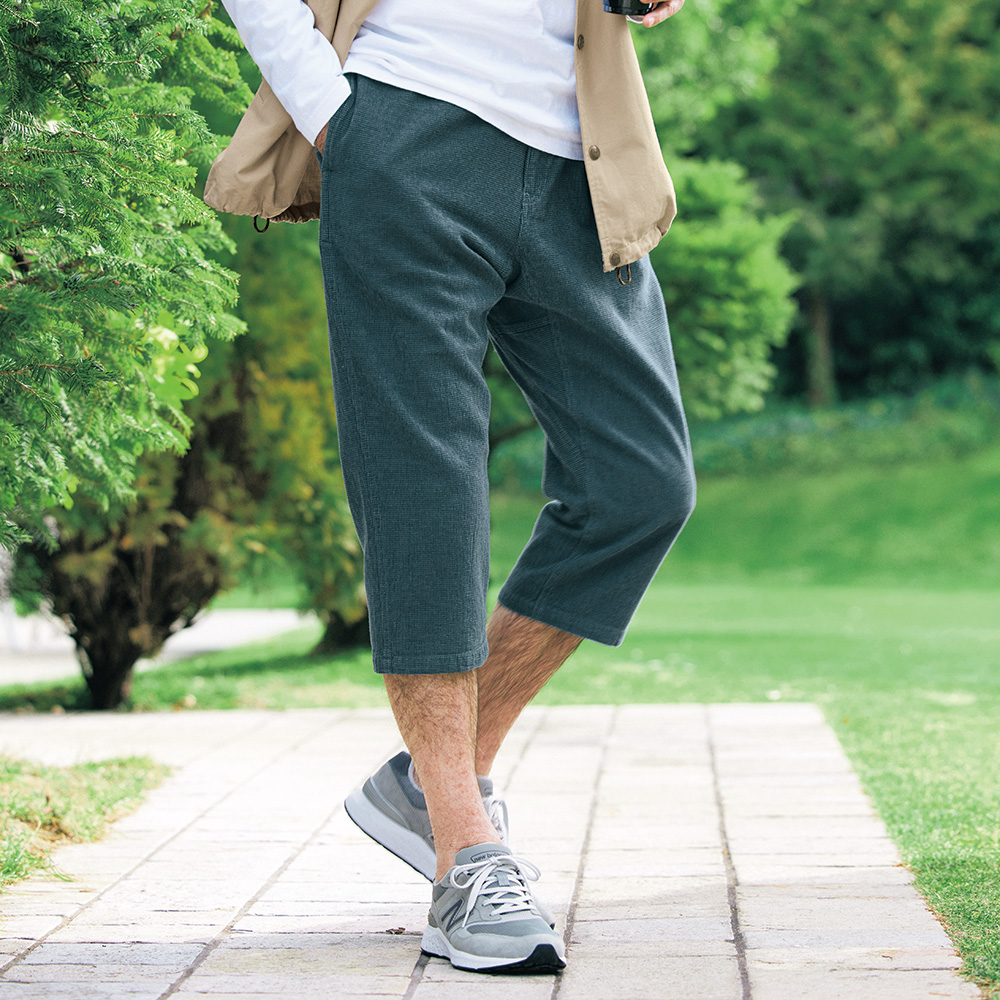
column 440, row 233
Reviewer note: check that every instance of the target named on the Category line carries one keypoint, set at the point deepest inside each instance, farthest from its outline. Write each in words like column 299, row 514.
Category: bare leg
column 436, row 715
column 524, row 654
column 453, row 724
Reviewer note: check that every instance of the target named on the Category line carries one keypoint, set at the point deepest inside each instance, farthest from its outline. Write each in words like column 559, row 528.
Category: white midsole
column 435, row 943
column 405, row 844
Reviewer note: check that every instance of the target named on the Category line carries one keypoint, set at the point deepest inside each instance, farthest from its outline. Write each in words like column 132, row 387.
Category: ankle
column 447, row 853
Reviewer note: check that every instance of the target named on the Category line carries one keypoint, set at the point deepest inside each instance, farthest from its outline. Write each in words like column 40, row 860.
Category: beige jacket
column 270, row 170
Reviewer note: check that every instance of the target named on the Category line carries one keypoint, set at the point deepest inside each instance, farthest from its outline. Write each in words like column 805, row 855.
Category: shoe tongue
column 480, row 852
column 485, row 786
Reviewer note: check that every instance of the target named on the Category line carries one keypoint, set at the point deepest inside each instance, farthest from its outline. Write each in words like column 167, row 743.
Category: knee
column 690, row 489
column 678, row 492
column 661, row 498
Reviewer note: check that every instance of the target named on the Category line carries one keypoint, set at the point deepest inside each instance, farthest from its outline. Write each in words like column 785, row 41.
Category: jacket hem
column 629, row 253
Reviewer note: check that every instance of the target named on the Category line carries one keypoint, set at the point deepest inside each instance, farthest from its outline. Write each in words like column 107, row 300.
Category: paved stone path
column 689, row 852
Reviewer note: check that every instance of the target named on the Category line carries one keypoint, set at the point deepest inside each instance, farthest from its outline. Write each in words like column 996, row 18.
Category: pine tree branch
column 16, row 13
column 37, row 279
column 204, row 15
column 87, row 135
column 46, row 403
column 87, row 97
column 55, row 62
column 86, row 178
column 21, row 262
column 28, row 369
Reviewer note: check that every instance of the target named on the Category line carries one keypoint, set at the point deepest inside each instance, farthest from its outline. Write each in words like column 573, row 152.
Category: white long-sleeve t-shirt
column 510, row 63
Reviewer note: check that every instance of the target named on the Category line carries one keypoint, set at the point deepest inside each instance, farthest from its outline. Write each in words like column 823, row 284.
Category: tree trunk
column 141, row 596
column 820, row 375
column 118, row 623
column 339, row 635
column 111, row 684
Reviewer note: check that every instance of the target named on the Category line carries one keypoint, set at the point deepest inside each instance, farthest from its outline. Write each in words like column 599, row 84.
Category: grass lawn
column 874, row 592
column 42, row 807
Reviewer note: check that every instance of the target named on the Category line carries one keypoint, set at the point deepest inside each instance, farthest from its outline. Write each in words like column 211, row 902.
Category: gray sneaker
column 394, row 814
column 483, row 917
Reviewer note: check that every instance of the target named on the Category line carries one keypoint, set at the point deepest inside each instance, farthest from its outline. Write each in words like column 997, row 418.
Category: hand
column 320, row 140
column 661, row 12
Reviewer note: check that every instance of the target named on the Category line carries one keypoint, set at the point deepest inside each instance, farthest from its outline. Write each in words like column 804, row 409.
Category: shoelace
column 496, row 809
column 482, row 880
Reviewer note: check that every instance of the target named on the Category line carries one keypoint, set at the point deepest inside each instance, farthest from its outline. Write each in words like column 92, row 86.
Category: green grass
column 932, row 526
column 42, row 807
column 873, row 592
column 274, row 586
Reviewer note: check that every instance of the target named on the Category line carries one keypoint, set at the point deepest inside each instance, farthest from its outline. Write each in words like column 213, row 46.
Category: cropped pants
column 438, row 234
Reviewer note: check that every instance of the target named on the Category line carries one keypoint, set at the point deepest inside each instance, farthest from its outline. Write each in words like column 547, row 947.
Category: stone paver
column 720, row 852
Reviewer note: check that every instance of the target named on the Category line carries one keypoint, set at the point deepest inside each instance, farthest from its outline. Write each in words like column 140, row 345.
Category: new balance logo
column 452, row 915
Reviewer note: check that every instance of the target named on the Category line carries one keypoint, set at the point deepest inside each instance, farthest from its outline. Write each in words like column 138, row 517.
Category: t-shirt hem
column 569, row 149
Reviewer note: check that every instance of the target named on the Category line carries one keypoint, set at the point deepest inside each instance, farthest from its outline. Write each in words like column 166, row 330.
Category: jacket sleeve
column 298, row 63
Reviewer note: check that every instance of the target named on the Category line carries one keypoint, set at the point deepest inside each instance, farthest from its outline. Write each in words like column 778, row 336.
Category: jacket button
column 579, row 41
column 616, row 259
column 594, row 152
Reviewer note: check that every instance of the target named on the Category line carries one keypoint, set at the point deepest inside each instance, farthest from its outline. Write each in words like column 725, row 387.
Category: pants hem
column 448, row 663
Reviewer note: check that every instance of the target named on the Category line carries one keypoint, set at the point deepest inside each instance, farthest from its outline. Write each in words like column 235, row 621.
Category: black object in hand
column 630, row 8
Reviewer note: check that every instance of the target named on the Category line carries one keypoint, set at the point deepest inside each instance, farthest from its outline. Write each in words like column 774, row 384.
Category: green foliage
column 260, row 480
column 110, row 289
column 103, row 326
column 713, row 54
column 127, row 578
column 879, row 130
column 950, row 419
column 260, row 475
column 726, row 288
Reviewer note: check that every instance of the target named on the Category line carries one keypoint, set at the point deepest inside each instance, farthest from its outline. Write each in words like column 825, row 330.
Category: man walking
column 481, row 172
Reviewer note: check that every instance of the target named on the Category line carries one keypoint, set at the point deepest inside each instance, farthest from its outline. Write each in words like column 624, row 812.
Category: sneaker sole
column 544, row 959
column 405, row 844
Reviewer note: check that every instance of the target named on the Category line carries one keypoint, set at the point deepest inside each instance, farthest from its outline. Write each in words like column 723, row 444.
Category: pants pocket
column 339, row 123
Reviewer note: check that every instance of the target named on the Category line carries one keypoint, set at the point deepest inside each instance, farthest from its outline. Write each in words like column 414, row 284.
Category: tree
column 260, row 480
column 712, row 55
column 110, row 291
column 879, row 129
column 111, row 297
column 726, row 287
